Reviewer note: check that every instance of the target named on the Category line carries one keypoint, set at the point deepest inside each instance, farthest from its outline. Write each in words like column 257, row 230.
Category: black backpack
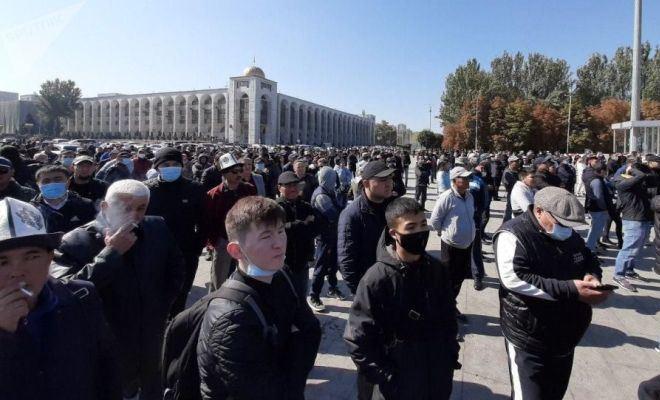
column 179, row 358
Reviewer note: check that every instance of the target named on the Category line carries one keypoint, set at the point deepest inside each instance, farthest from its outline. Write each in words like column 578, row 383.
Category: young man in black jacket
column 62, row 209
column 238, row 358
column 402, row 328
column 179, row 201
column 54, row 342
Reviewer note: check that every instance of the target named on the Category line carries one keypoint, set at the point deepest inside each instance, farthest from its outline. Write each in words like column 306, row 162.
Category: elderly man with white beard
column 138, row 270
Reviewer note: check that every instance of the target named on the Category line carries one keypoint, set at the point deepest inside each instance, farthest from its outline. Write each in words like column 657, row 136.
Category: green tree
column 385, row 134
column 651, row 89
column 593, row 81
column 461, row 86
column 57, row 100
column 429, row 140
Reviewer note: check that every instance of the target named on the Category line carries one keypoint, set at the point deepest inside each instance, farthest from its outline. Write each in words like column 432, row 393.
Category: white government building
column 249, row 111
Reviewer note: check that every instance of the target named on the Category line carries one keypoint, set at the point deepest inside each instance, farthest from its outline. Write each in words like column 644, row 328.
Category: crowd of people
column 99, row 249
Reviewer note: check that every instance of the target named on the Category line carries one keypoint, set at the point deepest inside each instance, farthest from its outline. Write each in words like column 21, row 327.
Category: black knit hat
column 167, row 154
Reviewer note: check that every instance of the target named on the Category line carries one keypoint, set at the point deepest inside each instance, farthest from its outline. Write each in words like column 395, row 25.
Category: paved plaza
column 616, row 354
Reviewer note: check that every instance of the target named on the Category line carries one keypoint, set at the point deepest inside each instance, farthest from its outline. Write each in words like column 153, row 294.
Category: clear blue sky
column 389, row 58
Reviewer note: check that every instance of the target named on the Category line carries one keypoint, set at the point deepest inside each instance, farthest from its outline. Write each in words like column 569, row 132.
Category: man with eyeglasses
column 216, row 205
column 9, row 187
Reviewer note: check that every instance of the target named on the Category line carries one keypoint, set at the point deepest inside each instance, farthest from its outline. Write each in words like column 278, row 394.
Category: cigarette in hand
column 25, row 291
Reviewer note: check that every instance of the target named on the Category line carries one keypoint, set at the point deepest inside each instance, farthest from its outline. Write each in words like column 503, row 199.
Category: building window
column 240, row 84
column 266, row 86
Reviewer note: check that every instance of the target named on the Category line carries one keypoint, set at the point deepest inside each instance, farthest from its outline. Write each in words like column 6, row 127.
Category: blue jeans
column 635, row 234
column 598, row 222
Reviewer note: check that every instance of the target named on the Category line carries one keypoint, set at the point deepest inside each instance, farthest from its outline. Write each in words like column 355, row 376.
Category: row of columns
column 316, row 126
column 295, row 123
column 135, row 115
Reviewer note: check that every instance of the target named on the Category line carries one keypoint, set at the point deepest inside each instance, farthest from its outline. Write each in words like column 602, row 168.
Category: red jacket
column 140, row 168
column 217, row 203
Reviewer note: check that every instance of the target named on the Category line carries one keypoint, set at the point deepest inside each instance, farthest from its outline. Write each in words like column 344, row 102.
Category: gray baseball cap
column 562, row 204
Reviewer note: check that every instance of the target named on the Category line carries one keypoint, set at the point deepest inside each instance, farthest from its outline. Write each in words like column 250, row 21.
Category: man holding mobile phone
column 549, row 280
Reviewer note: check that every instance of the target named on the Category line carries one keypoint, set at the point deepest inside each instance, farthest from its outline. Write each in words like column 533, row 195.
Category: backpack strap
column 291, row 285
column 239, row 292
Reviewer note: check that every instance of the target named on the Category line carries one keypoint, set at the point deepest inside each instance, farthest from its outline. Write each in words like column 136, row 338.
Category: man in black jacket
column 238, row 357
column 637, row 216
column 548, row 277
column 510, row 177
column 401, row 328
column 212, row 176
column 179, row 201
column 308, row 182
column 54, row 342
column 362, row 222
column 301, row 228
column 8, row 185
column 62, row 209
column 83, row 181
column 423, row 174
column 138, row 269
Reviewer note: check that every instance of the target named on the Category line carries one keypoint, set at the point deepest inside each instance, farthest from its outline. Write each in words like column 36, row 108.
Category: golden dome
column 254, row 71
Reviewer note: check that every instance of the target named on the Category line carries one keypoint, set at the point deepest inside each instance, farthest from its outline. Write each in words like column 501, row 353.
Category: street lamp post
column 476, row 124
column 570, row 108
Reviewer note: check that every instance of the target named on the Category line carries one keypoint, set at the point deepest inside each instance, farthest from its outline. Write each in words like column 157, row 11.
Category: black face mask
column 414, row 243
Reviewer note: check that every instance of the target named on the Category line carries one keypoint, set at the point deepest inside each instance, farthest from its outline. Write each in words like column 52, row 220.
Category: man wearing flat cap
column 548, row 281
column 54, row 340
column 453, row 219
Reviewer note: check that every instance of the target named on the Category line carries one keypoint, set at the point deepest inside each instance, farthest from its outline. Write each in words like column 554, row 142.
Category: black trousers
column 497, row 180
column 535, row 377
column 458, row 261
column 191, row 262
column 325, row 266
column 616, row 218
column 365, row 388
column 420, row 195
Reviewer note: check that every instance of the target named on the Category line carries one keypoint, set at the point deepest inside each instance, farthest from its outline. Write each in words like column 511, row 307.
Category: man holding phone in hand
column 549, row 280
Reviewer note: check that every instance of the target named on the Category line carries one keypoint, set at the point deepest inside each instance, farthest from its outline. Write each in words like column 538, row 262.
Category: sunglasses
column 236, row 171
column 3, row 171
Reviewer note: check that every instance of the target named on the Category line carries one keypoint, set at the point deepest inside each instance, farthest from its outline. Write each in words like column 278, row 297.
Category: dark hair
column 252, row 210
column 401, row 207
column 599, row 167
column 523, row 174
column 49, row 169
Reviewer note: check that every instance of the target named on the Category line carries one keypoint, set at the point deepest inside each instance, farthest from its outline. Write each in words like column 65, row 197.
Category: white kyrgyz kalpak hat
column 21, row 225
column 227, row 161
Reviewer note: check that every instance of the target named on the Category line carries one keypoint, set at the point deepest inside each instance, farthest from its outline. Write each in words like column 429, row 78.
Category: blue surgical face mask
column 256, row 272
column 560, row 233
column 128, row 163
column 170, row 174
column 52, row 191
column 67, row 161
